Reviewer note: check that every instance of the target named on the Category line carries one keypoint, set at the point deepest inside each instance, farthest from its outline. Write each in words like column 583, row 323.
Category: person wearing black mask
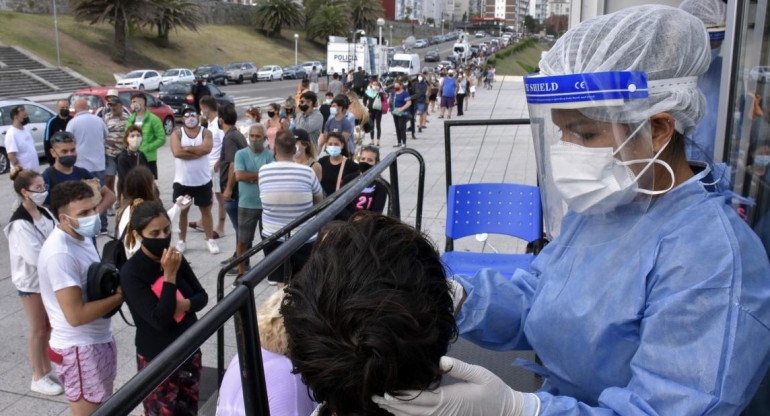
column 19, row 144
column 373, row 197
column 163, row 295
column 56, row 124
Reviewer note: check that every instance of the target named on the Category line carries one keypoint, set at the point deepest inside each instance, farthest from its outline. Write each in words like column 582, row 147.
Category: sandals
column 194, row 226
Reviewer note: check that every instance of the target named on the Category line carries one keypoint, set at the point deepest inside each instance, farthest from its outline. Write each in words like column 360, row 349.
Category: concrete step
column 60, row 78
column 17, row 60
column 17, row 84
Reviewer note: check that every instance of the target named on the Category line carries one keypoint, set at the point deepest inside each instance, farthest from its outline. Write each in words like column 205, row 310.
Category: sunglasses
column 190, row 114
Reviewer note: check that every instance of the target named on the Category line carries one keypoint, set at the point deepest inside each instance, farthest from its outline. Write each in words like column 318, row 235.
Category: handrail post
column 394, row 184
column 250, row 356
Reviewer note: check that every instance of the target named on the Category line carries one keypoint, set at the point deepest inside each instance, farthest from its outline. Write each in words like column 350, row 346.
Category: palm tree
column 172, row 14
column 119, row 13
column 328, row 21
column 313, row 6
column 364, row 14
column 273, row 14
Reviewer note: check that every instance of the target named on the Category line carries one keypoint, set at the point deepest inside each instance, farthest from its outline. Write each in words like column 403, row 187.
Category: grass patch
column 86, row 48
column 522, row 62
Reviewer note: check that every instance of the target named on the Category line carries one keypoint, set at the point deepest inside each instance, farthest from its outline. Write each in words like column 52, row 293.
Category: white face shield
column 593, row 145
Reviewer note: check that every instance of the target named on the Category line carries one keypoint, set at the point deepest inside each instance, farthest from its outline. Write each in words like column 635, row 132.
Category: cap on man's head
column 301, row 134
column 113, row 100
column 451, row 71
column 111, row 93
column 188, row 109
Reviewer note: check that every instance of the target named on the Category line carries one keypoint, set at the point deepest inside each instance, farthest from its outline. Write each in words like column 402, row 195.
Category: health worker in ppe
column 653, row 297
column 712, row 14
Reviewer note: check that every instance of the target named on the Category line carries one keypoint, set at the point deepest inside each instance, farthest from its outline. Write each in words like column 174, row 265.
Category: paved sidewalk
column 480, row 154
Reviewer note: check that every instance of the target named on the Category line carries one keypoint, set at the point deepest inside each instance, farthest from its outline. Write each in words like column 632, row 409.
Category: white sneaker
column 45, row 385
column 212, row 245
column 181, row 246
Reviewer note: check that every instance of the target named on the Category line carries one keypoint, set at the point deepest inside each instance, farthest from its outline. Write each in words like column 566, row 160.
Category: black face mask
column 363, row 167
column 64, row 112
column 156, row 245
column 271, row 114
column 303, row 107
column 25, row 121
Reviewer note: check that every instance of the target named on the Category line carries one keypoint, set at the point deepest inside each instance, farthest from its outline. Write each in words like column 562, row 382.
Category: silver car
column 239, row 71
column 39, row 115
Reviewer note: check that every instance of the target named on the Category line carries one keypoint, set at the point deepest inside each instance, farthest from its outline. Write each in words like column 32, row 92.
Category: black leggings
column 460, row 101
column 376, row 116
column 401, row 127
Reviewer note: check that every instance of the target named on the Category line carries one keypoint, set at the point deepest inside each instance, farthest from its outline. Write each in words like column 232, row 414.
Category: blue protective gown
column 703, row 147
column 670, row 317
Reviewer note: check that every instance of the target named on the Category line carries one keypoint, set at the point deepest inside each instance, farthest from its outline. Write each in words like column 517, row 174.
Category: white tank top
column 192, row 172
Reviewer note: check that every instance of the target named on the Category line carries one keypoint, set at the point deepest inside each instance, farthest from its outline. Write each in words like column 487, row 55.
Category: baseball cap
column 451, row 71
column 111, row 93
column 113, row 101
column 301, row 134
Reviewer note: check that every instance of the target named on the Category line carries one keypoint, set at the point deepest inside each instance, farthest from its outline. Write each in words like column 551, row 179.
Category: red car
column 95, row 98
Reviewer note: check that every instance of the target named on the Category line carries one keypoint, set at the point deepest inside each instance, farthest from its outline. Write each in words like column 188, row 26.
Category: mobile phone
column 183, row 200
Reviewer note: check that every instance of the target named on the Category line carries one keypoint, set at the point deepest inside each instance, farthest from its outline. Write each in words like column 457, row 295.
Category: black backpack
column 114, row 252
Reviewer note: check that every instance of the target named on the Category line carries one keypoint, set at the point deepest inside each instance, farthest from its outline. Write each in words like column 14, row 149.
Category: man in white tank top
column 191, row 146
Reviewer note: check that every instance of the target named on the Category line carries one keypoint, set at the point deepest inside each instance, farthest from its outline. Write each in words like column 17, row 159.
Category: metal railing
column 239, row 303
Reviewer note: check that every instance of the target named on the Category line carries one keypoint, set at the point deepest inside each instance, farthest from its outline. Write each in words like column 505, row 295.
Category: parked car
column 421, row 43
column 760, row 73
column 474, row 51
column 270, row 72
column 432, row 56
column 38, row 119
column 238, row 71
column 95, row 98
column 177, row 75
column 214, row 74
column 480, row 34
column 319, row 67
column 294, row 72
column 178, row 95
column 445, row 64
column 143, row 79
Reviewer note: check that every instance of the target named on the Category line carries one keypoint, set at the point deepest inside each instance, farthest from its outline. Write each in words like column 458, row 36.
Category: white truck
column 462, row 49
column 366, row 53
column 405, row 63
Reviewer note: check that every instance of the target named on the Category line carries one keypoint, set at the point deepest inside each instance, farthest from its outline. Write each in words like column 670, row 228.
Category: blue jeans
column 231, row 208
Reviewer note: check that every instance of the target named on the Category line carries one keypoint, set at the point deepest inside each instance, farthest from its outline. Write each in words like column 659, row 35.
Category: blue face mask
column 333, row 151
column 762, row 160
column 333, row 111
column 88, row 227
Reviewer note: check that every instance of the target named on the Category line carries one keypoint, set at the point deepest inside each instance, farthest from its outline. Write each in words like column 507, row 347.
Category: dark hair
column 144, row 213
column 329, row 94
column 209, row 102
column 338, row 136
column 335, row 75
column 372, row 148
column 341, row 101
column 62, row 137
column 275, row 107
column 227, row 114
column 69, row 191
column 139, row 184
column 16, row 110
column 310, row 96
column 375, row 323
column 285, row 142
column 132, row 128
column 305, row 82
column 22, row 178
column 139, row 95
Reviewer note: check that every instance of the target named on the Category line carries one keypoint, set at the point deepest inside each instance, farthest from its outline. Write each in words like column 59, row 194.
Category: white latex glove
column 480, row 394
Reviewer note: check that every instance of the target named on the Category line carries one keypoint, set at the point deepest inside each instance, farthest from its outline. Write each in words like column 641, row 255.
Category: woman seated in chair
column 377, row 322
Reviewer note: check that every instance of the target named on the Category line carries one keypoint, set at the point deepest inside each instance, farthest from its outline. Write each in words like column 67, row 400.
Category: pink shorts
column 87, row 372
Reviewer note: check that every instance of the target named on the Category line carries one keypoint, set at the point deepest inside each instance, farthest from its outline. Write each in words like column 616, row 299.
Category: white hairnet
column 710, row 12
column 664, row 42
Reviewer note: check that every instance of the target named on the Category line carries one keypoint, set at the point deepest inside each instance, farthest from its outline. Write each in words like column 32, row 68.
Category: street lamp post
column 442, row 28
column 56, row 33
column 391, row 36
column 296, row 48
column 380, row 24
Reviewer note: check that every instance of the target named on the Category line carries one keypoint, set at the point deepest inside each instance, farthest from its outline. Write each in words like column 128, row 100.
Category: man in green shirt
column 153, row 134
column 247, row 163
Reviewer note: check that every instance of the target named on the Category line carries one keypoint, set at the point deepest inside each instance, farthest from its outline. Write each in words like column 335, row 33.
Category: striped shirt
column 286, row 190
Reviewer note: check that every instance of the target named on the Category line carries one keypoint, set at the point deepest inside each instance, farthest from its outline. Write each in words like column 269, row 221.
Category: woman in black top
column 163, row 295
column 373, row 197
column 130, row 156
column 331, row 177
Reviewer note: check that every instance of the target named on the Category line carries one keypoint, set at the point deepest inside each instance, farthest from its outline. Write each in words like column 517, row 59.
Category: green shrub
column 527, row 68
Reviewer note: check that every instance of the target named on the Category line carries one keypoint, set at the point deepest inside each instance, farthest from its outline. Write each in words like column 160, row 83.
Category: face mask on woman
column 156, row 245
column 334, row 151
column 134, row 141
column 37, row 197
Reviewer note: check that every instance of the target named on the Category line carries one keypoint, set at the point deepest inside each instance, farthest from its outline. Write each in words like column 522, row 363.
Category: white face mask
column 592, row 181
column 134, row 141
column 38, row 197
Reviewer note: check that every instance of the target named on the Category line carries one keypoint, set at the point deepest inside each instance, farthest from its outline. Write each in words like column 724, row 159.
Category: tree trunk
column 163, row 36
column 119, row 44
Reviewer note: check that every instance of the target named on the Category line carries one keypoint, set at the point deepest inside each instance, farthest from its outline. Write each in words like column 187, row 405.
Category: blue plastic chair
column 493, row 208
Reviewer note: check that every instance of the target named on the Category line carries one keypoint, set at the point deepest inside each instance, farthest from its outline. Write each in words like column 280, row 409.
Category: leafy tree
column 531, row 24
column 328, row 21
column 364, row 14
column 465, row 16
column 274, row 14
column 119, row 13
column 172, row 14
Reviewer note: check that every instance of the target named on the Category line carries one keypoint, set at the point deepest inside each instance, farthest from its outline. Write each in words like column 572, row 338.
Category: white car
column 181, row 75
column 270, row 72
column 143, row 79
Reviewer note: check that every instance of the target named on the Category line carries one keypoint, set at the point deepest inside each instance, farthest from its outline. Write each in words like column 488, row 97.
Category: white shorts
column 215, row 180
column 473, row 89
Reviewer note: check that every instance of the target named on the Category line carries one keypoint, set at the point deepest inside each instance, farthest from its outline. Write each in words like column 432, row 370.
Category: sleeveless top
column 192, row 172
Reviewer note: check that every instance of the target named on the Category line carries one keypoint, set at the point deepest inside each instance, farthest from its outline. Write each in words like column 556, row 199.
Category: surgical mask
column 328, row 102
column 135, row 107
column 333, row 111
column 64, row 112
column 88, row 227
column 191, row 122
column 257, row 145
column 762, row 160
column 25, row 121
column 156, row 245
column 363, row 167
column 419, row 79
column 38, row 197
column 68, row 161
column 592, row 181
column 271, row 114
column 333, row 151
column 134, row 141
column 303, row 107
column 249, row 121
